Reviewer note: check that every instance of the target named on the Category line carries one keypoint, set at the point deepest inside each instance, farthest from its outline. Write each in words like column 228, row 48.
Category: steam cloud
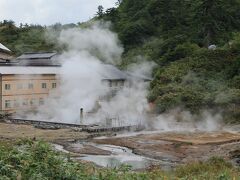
column 81, row 87
column 179, row 120
column 81, row 81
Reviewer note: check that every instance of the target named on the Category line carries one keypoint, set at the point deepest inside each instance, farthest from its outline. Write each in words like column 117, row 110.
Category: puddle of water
column 114, row 161
column 120, row 156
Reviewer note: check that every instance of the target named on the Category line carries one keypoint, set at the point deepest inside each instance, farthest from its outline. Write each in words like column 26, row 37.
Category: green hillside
column 176, row 36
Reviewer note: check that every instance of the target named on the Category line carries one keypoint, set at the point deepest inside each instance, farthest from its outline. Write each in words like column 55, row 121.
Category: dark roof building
column 39, row 55
column 41, row 61
column 38, row 59
column 138, row 76
column 111, row 72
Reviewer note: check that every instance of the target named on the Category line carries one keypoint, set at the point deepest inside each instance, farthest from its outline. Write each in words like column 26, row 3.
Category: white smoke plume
column 82, row 87
column 179, row 120
column 81, row 81
column 97, row 40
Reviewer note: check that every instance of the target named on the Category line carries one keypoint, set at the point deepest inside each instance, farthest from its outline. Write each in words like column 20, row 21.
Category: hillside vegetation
column 176, row 36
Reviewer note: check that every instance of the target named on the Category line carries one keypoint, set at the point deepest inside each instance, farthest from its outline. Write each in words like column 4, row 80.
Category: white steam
column 178, row 120
column 97, row 40
column 82, row 87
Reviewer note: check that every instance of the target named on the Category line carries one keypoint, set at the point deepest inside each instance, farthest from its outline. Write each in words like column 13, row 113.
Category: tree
column 8, row 23
column 100, row 11
column 169, row 16
column 118, row 2
column 215, row 18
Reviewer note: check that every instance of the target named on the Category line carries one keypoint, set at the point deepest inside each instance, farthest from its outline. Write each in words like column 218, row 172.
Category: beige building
column 25, row 88
column 27, row 81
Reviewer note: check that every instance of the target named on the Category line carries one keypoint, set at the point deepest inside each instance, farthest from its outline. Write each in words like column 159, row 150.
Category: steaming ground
column 82, row 87
column 178, row 120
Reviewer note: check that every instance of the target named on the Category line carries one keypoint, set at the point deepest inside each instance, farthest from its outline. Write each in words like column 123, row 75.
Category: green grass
column 37, row 160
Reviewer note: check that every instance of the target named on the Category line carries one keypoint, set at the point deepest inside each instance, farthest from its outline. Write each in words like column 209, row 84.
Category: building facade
column 25, row 88
column 27, row 81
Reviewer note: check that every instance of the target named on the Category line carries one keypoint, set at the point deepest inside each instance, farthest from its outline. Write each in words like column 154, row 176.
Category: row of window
column 115, row 83
column 29, row 86
column 24, row 102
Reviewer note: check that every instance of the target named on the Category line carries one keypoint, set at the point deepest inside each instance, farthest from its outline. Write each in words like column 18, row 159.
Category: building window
column 7, row 86
column 54, row 85
column 30, row 86
column 7, row 104
column 44, row 85
column 16, row 103
column 110, row 83
column 115, row 83
column 121, row 83
column 19, row 86
column 25, row 102
column 41, row 101
column 32, row 102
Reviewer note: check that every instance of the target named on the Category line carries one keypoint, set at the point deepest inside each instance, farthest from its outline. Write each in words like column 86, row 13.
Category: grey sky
column 46, row 12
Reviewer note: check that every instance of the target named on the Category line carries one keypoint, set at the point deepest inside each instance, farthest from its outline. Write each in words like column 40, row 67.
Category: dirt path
column 13, row 131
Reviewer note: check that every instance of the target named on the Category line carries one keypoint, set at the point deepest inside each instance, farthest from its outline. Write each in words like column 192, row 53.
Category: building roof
column 4, row 48
column 138, row 76
column 47, row 63
column 27, row 70
column 38, row 62
column 111, row 72
column 39, row 55
column 108, row 72
column 38, row 59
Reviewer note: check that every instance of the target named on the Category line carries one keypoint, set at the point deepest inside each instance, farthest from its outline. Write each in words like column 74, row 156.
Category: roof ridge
column 4, row 48
column 40, row 52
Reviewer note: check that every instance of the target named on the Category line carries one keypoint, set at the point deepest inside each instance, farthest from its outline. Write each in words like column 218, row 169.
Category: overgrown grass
column 214, row 168
column 37, row 160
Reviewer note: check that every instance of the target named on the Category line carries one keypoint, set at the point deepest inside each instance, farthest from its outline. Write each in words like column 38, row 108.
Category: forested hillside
column 29, row 38
column 176, row 36
column 23, row 39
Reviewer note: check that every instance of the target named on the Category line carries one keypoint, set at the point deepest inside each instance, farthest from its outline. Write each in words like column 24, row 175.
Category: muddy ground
column 178, row 148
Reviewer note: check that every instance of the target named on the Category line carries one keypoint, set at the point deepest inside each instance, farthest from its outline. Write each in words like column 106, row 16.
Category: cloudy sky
column 46, row 12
